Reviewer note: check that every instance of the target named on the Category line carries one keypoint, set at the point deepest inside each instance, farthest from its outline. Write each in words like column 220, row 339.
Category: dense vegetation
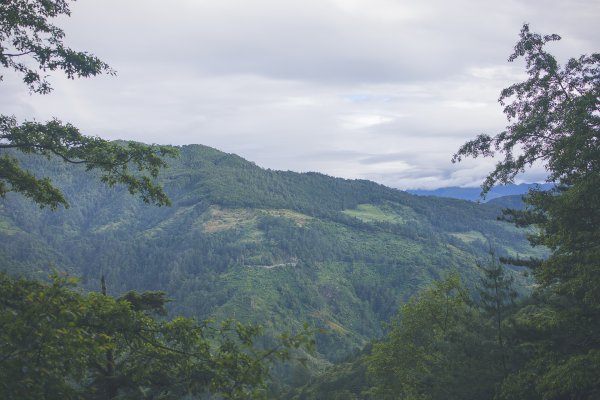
column 445, row 343
column 59, row 343
column 344, row 253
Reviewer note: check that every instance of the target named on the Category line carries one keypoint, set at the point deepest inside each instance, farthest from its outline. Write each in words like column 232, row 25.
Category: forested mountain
column 270, row 247
column 409, row 294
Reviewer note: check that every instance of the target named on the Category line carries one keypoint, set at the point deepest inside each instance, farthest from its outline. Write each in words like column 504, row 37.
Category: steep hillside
column 272, row 247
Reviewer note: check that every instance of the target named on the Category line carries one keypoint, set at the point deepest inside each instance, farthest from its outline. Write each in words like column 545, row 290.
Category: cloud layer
column 380, row 89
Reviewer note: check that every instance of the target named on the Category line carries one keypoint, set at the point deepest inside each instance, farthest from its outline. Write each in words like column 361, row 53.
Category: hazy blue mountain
column 473, row 193
column 515, row 201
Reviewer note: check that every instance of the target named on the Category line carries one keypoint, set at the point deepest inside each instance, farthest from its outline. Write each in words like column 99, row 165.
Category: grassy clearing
column 373, row 213
column 333, row 325
column 470, row 236
column 219, row 219
column 113, row 226
column 6, row 228
column 298, row 218
column 222, row 219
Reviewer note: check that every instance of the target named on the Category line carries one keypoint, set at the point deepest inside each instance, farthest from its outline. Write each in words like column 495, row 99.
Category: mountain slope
column 271, row 247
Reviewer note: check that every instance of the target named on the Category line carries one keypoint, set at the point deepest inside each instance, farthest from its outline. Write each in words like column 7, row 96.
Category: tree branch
column 17, row 55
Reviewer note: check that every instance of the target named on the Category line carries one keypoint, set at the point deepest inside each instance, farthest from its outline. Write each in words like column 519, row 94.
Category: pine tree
column 496, row 297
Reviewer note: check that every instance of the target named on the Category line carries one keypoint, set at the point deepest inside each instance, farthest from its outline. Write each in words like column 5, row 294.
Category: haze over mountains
column 473, row 193
column 269, row 247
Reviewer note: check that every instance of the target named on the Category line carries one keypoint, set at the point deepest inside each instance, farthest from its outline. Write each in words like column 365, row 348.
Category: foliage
column 496, row 297
column 67, row 143
column 41, row 341
column 31, row 46
column 435, row 349
column 58, row 343
column 554, row 114
column 345, row 380
column 442, row 344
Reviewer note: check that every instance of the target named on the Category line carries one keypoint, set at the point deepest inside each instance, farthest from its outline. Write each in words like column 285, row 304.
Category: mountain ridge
column 474, row 193
column 358, row 248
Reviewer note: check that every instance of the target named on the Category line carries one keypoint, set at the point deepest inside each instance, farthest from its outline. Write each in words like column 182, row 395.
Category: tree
column 31, row 45
column 554, row 114
column 496, row 297
column 435, row 348
column 57, row 343
column 554, row 119
column 40, row 342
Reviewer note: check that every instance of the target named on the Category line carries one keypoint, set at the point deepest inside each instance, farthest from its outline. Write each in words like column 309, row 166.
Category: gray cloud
column 380, row 89
column 324, row 41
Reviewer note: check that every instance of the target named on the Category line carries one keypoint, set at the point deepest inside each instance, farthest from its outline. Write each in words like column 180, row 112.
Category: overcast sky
column 385, row 90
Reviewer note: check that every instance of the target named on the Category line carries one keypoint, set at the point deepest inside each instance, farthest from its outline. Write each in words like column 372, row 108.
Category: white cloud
column 361, row 121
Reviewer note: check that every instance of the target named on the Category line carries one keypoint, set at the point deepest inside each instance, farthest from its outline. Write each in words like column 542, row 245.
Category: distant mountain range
column 268, row 247
column 473, row 193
